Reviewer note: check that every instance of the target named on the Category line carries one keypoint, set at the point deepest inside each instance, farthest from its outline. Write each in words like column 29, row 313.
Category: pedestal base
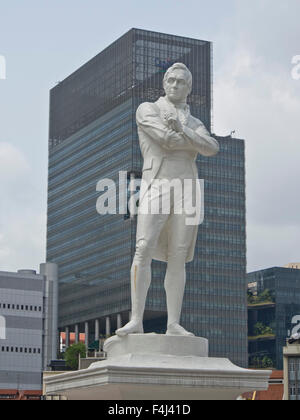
column 158, row 367
column 156, row 344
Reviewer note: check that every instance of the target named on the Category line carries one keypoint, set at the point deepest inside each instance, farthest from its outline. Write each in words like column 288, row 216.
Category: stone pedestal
column 156, row 345
column 157, row 367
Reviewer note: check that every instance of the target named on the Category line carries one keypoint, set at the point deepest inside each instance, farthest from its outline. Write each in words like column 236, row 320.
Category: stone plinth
column 158, row 367
column 156, row 344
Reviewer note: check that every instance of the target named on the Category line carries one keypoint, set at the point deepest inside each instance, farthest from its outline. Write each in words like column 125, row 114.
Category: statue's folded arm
column 149, row 120
column 201, row 140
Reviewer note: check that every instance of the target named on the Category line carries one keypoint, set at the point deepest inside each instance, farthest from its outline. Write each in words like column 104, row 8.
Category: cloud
column 279, row 246
column 255, row 95
column 12, row 162
column 22, row 223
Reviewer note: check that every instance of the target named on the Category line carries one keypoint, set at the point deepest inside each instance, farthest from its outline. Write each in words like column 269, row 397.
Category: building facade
column 293, row 265
column 274, row 314
column 93, row 136
column 291, row 365
column 28, row 327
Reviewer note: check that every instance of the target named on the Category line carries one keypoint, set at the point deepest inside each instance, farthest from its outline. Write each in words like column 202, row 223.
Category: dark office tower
column 93, row 136
column 273, row 312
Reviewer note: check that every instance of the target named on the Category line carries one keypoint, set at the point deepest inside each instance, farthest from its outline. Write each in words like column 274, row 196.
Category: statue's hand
column 174, row 123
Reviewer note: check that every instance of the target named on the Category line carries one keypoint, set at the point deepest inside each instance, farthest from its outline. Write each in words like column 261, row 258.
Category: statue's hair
column 180, row 66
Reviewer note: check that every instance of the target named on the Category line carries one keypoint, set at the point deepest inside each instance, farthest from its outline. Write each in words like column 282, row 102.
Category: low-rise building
column 28, row 328
column 293, row 265
column 291, row 363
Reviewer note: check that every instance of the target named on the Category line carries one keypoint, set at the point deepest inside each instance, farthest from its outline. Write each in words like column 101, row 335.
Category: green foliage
column 261, row 329
column 265, row 362
column 72, row 355
column 263, row 297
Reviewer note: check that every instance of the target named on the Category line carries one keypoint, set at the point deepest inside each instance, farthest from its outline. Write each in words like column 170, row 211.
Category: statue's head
column 178, row 83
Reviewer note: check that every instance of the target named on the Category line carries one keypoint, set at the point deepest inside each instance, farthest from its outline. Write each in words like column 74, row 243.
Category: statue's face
column 176, row 86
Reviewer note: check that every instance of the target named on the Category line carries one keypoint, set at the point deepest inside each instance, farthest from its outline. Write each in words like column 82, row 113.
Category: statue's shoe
column 133, row 327
column 176, row 329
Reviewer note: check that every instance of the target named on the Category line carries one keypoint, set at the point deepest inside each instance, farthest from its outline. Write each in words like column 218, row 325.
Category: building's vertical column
column 107, row 327
column 286, row 392
column 119, row 321
column 51, row 338
column 76, row 334
column 59, row 341
column 97, row 329
column 86, row 332
column 67, row 333
column 2, row 328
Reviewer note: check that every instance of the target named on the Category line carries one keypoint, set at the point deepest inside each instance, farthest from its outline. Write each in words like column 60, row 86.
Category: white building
column 291, row 362
column 293, row 265
column 28, row 326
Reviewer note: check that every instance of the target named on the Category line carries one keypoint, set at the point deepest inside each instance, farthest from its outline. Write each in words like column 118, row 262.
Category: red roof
column 15, row 394
column 274, row 392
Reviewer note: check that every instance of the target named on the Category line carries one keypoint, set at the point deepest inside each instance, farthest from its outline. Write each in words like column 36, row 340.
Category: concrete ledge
column 156, row 376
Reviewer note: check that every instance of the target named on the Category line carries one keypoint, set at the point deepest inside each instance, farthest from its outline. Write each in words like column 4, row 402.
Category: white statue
column 170, row 139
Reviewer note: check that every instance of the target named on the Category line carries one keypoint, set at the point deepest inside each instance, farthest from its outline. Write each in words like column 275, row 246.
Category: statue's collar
column 164, row 103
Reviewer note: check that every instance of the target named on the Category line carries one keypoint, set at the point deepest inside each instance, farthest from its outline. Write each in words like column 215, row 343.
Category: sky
column 254, row 94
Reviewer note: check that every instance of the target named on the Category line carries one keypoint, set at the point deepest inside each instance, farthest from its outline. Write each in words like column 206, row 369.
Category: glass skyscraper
column 93, row 136
column 278, row 311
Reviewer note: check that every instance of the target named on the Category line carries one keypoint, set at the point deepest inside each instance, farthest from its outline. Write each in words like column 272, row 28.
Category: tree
column 72, row 355
column 267, row 362
column 265, row 296
column 258, row 329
